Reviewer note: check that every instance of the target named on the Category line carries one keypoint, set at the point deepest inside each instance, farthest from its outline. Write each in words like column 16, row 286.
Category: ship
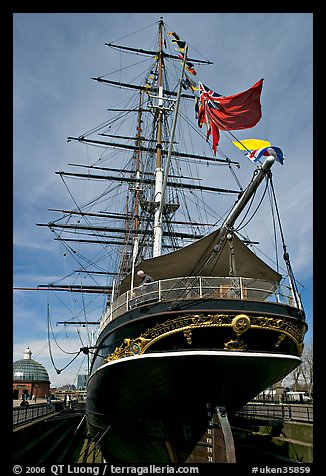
column 213, row 324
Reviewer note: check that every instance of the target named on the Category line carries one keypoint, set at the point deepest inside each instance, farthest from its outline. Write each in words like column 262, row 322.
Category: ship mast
column 158, row 232
column 160, row 183
column 137, row 188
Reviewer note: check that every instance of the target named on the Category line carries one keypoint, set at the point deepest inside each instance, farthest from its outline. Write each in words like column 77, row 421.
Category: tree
column 307, row 367
column 301, row 378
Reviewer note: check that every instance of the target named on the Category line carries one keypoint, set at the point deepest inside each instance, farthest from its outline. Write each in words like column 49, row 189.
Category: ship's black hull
column 157, row 369
column 155, row 405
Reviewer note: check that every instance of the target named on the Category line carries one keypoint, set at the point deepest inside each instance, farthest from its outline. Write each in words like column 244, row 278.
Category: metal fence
column 273, row 411
column 22, row 415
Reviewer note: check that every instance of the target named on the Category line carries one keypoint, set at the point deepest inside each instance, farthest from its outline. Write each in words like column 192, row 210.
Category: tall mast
column 159, row 170
column 137, row 188
column 128, row 258
column 160, row 184
column 168, row 160
column 137, row 154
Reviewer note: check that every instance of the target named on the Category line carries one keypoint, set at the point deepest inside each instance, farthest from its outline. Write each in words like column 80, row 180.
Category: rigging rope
column 49, row 344
column 286, row 256
column 254, row 213
column 274, row 229
column 133, row 33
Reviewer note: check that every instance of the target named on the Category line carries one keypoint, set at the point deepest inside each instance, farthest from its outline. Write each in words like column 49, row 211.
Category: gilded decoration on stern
column 240, row 324
column 187, row 324
column 235, row 345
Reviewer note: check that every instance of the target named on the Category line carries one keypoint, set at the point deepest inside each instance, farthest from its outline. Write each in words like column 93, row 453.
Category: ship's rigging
column 136, row 163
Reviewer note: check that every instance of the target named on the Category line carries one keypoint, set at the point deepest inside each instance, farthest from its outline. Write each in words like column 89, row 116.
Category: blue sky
column 55, row 55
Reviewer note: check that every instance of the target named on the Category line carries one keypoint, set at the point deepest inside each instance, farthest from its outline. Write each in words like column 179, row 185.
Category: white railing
column 197, row 287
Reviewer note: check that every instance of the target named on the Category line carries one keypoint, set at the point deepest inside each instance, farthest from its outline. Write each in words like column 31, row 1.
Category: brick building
column 29, row 378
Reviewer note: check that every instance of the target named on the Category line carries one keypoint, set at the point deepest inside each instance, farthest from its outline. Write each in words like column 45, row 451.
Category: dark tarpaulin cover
column 191, row 261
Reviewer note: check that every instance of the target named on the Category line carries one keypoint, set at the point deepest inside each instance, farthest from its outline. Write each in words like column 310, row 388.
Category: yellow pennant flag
column 251, row 144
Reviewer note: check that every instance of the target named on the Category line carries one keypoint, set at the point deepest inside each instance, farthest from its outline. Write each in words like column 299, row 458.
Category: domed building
column 29, row 377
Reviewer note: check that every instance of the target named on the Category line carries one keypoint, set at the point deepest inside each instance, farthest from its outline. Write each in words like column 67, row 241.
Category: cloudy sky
column 55, row 55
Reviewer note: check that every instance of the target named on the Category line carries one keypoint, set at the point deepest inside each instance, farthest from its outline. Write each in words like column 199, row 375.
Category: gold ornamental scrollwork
column 188, row 335
column 235, row 345
column 240, row 323
column 127, row 348
column 186, row 324
column 279, row 340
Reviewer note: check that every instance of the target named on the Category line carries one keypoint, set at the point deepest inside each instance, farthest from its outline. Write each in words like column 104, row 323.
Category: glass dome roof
column 29, row 369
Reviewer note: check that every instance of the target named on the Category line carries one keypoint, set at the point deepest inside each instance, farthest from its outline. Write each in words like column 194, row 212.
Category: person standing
column 144, row 278
column 146, row 291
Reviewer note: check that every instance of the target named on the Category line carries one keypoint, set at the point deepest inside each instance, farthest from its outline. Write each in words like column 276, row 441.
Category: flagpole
column 242, row 146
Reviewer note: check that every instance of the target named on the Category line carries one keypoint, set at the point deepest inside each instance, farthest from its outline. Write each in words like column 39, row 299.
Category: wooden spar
column 141, row 88
column 52, row 287
column 121, row 216
column 247, row 194
column 95, row 272
column 116, row 216
column 106, row 242
column 155, row 53
column 148, row 181
column 259, row 175
column 128, row 171
column 80, row 323
column 119, row 230
column 152, row 150
column 129, row 137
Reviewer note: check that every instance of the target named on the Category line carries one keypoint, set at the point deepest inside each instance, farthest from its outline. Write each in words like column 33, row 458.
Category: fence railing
column 24, row 414
column 198, row 287
column 273, row 411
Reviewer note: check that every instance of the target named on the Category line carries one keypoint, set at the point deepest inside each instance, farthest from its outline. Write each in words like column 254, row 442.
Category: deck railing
column 197, row 287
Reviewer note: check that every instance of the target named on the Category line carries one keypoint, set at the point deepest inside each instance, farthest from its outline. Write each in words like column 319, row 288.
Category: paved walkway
column 16, row 403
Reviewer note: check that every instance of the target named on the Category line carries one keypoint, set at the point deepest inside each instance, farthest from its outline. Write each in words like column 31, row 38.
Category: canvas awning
column 192, row 261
